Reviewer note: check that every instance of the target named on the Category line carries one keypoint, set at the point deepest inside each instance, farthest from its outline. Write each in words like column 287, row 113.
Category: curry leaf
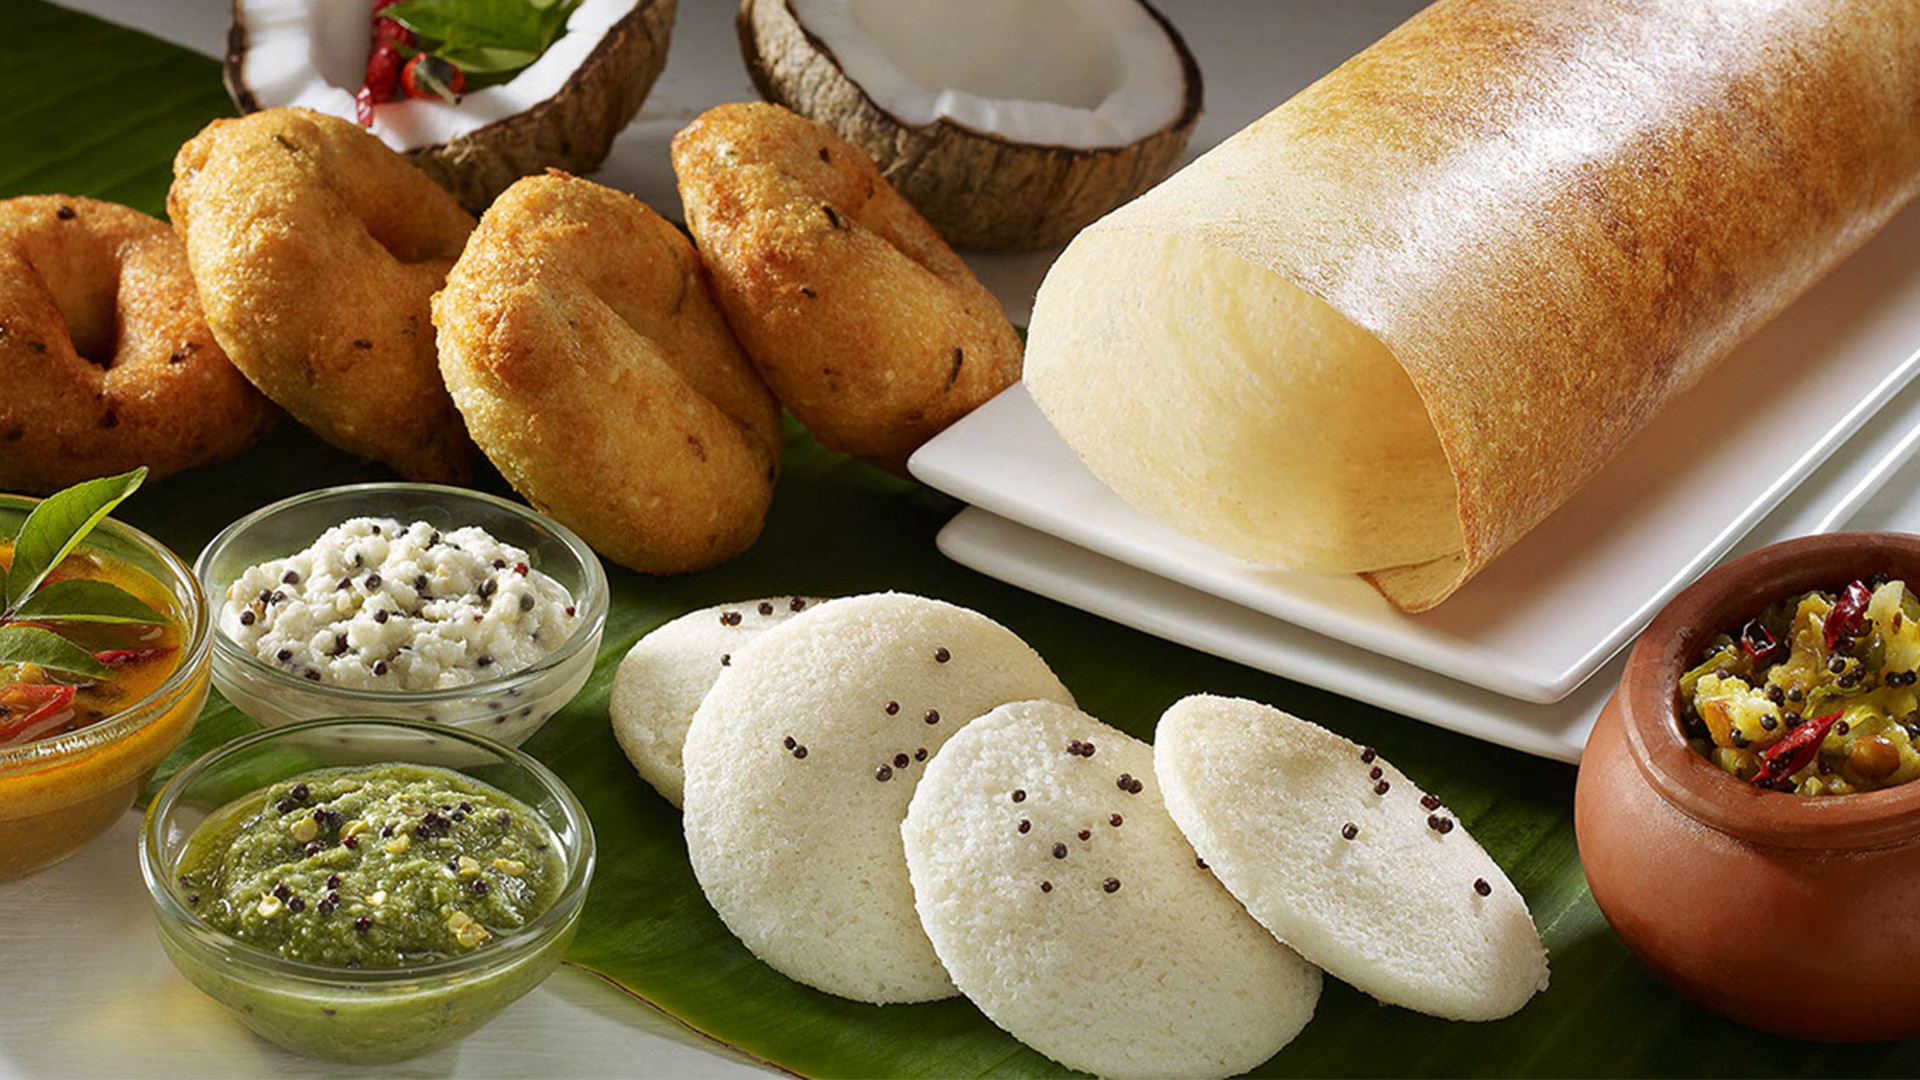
column 58, row 525
column 32, row 645
column 86, row 600
column 494, row 22
column 484, row 37
column 485, row 59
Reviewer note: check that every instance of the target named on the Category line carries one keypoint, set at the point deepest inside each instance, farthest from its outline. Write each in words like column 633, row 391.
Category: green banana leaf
column 88, row 108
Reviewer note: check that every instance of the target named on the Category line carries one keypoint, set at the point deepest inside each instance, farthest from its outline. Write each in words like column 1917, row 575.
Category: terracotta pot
column 1787, row 913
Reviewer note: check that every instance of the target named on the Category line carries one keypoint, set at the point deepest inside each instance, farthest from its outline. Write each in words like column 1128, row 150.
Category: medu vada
column 859, row 316
column 316, row 249
column 106, row 360
column 581, row 341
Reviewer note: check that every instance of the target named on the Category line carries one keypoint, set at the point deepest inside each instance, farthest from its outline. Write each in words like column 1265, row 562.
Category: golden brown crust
column 316, row 250
column 105, row 357
column 860, row 317
column 1557, row 216
column 580, row 338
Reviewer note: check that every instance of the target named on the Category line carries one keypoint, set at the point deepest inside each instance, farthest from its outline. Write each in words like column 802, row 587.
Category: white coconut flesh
column 1082, row 74
column 313, row 54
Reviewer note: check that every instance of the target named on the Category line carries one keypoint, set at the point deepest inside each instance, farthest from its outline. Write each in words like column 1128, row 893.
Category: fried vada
column 106, row 359
column 855, row 311
column 316, row 249
column 581, row 341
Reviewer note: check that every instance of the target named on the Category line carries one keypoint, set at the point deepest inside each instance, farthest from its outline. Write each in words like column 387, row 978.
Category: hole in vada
column 89, row 303
column 405, row 249
column 94, row 342
column 412, row 239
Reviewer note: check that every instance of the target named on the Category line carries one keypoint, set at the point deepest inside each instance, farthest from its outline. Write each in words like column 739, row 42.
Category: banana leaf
column 92, row 109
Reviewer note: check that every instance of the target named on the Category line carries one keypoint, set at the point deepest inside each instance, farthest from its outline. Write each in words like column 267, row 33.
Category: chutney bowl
column 1788, row 913
column 508, row 708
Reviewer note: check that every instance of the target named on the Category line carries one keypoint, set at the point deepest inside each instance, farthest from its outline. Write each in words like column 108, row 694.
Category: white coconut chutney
column 377, row 605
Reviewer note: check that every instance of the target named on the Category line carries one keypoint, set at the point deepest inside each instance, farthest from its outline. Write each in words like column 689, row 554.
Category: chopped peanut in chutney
column 1815, row 695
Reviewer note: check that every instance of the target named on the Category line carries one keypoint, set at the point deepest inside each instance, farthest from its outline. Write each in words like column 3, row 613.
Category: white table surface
column 84, row 987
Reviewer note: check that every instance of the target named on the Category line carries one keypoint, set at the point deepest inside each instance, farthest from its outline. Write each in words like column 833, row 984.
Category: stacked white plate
column 1806, row 428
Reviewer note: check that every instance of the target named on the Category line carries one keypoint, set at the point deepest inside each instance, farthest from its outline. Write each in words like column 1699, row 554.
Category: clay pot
column 1790, row 914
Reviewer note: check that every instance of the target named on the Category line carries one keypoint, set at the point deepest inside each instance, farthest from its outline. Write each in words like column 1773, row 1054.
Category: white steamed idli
column 667, row 674
column 1069, row 908
column 800, row 764
column 1343, row 858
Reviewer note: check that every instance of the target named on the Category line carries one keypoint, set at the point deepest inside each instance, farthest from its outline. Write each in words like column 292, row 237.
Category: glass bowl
column 366, row 1015
column 508, row 708
column 58, row 793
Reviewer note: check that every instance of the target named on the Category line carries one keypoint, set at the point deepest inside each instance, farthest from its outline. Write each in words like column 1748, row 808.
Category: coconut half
column 561, row 111
column 1008, row 123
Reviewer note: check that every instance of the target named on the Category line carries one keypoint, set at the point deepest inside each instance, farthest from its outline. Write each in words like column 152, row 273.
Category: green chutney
column 376, row 866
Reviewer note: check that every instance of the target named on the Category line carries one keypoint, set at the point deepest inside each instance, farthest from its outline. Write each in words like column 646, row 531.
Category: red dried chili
column 1849, row 615
column 44, row 699
column 1796, row 751
column 384, row 63
column 1759, row 644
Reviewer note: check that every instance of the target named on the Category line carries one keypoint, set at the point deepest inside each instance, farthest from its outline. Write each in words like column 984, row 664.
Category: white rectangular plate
column 1546, row 614
column 1870, row 483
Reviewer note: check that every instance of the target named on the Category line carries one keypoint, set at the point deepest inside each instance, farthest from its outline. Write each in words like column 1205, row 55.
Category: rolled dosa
column 1395, row 323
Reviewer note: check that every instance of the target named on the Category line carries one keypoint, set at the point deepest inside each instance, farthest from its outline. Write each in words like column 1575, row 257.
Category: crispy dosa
column 1395, row 323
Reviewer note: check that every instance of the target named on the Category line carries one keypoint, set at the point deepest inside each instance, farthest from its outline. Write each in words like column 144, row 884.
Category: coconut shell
column 979, row 190
column 571, row 131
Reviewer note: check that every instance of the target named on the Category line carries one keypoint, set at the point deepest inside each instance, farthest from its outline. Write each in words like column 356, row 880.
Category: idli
column 667, row 674
column 800, row 764
column 1345, row 859
column 1069, row 908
